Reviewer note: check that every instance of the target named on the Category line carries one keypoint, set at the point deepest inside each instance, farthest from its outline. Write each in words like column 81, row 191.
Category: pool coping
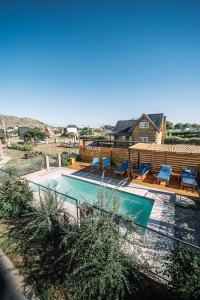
column 162, row 217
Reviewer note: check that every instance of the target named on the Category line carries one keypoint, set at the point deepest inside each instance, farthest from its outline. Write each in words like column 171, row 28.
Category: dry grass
column 53, row 149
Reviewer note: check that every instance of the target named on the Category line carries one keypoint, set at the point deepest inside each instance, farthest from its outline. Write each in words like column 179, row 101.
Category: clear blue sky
column 94, row 62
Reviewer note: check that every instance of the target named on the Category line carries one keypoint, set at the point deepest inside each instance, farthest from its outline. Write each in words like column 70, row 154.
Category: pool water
column 136, row 207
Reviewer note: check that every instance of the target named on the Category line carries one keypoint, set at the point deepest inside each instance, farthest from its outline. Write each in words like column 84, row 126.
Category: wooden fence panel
column 176, row 160
column 117, row 155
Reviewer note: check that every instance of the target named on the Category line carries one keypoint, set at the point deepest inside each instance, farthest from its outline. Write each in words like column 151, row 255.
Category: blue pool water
column 131, row 205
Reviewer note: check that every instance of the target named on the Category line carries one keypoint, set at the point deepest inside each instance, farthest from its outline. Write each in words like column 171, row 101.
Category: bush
column 184, row 271
column 15, row 198
column 32, row 165
column 22, row 147
column 65, row 156
column 180, row 140
column 65, row 260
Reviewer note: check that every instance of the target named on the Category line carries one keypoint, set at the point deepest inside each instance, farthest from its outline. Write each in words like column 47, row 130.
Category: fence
column 150, row 245
column 156, row 158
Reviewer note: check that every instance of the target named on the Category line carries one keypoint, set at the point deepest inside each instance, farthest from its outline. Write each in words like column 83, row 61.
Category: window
column 123, row 138
column 144, row 139
column 144, row 125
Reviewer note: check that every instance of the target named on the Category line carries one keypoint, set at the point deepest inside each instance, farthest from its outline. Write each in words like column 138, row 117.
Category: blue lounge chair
column 142, row 171
column 122, row 168
column 188, row 179
column 95, row 163
column 105, row 163
column 164, row 174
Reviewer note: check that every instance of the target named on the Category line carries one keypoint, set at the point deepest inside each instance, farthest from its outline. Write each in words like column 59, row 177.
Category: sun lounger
column 95, row 163
column 105, row 163
column 188, row 179
column 122, row 168
column 142, row 171
column 164, row 174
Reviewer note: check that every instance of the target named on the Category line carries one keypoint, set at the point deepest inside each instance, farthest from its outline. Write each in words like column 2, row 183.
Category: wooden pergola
column 178, row 156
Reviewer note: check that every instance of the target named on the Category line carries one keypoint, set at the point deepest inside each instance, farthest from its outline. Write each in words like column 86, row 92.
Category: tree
column 86, row 131
column 178, row 126
column 169, row 125
column 72, row 126
column 34, row 134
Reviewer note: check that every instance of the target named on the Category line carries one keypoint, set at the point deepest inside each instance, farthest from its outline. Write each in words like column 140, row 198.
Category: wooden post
column 47, row 162
column 59, row 160
column 138, row 159
column 129, row 155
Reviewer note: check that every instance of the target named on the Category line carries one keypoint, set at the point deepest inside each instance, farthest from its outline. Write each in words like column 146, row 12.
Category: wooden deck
column 150, row 180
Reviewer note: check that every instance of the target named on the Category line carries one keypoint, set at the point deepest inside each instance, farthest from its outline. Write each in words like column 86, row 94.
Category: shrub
column 100, row 269
column 15, row 198
column 66, row 261
column 22, row 147
column 184, row 271
column 180, row 140
column 65, row 156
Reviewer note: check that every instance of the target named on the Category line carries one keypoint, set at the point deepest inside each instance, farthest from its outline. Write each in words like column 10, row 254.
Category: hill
column 12, row 121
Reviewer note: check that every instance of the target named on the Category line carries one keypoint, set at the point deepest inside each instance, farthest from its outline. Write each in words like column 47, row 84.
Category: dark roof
column 123, row 127
column 22, row 130
column 156, row 119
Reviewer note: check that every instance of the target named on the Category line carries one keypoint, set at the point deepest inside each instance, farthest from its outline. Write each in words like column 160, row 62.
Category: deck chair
column 164, row 174
column 121, row 170
column 188, row 179
column 105, row 163
column 142, row 171
column 95, row 163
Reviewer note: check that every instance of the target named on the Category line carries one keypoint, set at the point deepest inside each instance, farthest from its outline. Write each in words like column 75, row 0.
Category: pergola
column 178, row 156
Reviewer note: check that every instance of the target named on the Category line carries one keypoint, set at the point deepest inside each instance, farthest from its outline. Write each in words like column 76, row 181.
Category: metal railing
column 151, row 246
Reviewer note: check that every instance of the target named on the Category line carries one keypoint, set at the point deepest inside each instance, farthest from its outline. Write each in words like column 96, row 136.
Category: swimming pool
column 131, row 205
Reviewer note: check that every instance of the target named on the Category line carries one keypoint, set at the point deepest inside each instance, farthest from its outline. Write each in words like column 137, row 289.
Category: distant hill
column 12, row 121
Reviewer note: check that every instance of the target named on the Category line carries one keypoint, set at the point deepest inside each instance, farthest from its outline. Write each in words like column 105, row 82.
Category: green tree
column 34, row 134
column 86, row 131
column 178, row 126
column 169, row 125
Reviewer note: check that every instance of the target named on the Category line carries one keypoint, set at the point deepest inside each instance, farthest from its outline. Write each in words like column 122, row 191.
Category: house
column 22, row 130
column 149, row 128
column 48, row 131
column 72, row 131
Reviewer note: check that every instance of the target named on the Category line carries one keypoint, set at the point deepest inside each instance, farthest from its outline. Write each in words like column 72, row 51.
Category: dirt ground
column 53, row 149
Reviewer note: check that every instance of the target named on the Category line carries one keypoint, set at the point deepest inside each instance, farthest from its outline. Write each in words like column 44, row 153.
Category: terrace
column 177, row 156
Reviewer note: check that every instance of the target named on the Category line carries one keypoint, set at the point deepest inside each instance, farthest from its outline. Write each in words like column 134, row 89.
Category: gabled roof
column 127, row 125
column 156, row 119
column 123, row 126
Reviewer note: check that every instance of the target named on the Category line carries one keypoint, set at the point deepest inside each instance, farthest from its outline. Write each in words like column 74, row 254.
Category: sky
column 95, row 62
